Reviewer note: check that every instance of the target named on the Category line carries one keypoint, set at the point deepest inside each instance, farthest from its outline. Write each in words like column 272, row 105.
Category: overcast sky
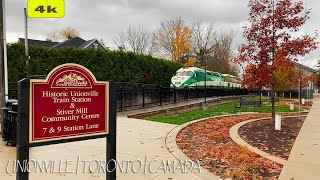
column 103, row 19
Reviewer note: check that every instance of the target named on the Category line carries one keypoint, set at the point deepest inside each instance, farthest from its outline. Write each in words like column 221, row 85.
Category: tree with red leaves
column 271, row 41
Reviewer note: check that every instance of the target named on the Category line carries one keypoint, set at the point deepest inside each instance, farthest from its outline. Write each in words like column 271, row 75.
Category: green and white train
column 193, row 77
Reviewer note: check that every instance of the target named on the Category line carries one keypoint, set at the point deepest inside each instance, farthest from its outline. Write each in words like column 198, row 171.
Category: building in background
column 76, row 42
column 305, row 70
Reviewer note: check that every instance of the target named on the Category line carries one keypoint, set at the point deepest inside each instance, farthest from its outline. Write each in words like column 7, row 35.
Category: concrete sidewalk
column 304, row 160
column 138, row 141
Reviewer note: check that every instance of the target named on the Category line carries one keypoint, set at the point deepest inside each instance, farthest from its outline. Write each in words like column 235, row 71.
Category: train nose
column 178, row 81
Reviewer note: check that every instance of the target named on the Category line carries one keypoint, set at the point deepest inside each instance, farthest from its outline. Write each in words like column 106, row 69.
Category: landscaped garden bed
column 222, row 109
column 262, row 135
column 209, row 142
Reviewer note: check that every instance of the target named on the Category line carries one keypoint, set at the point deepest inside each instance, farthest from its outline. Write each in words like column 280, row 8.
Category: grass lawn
column 223, row 109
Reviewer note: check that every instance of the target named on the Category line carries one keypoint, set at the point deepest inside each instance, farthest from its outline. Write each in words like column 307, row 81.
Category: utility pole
column 2, row 77
column 26, row 40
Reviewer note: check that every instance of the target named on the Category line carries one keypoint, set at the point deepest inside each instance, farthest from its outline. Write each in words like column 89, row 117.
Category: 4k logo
column 50, row 9
column 46, row 8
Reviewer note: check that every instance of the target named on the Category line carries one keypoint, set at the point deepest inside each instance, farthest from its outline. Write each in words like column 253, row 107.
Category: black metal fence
column 305, row 93
column 137, row 96
column 9, row 123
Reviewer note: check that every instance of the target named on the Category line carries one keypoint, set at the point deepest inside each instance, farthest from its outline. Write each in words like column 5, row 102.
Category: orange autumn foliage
column 270, row 44
column 190, row 63
column 69, row 33
column 283, row 75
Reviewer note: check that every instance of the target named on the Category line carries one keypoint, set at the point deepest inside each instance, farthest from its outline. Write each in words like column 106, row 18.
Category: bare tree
column 53, row 36
column 120, row 41
column 222, row 60
column 138, row 39
column 213, row 47
column 134, row 39
column 153, row 46
column 69, row 33
column 204, row 41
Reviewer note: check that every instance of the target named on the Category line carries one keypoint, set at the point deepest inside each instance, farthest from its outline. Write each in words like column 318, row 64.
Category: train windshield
column 178, row 73
column 189, row 73
column 184, row 73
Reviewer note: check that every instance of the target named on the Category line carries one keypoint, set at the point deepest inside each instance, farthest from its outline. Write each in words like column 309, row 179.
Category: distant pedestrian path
column 177, row 107
column 304, row 160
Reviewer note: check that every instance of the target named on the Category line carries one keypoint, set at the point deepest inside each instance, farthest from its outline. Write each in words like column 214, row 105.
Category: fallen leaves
column 262, row 135
column 209, row 142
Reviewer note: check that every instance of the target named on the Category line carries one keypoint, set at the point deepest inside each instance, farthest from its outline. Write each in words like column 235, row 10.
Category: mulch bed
column 307, row 104
column 209, row 142
column 262, row 135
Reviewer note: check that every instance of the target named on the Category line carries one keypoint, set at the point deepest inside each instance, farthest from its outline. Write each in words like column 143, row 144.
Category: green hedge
column 105, row 65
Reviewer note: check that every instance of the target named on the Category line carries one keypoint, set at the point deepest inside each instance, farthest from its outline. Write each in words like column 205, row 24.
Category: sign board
column 45, row 8
column 69, row 103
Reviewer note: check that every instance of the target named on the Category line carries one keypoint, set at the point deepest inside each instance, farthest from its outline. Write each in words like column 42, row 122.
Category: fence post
column 196, row 91
column 47, row 72
column 143, row 96
column 160, row 95
column 186, row 90
column 174, row 95
column 121, row 97
column 232, row 93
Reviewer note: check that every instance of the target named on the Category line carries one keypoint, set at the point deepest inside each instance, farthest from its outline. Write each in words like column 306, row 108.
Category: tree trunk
column 272, row 104
column 260, row 91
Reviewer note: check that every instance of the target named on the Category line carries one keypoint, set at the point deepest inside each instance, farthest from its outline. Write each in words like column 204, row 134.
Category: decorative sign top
column 71, row 80
column 69, row 103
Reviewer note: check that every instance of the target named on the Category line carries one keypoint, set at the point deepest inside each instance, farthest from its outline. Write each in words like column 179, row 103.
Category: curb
column 173, row 148
column 237, row 139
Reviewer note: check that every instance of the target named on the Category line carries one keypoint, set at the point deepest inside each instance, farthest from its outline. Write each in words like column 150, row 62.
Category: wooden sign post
column 69, row 105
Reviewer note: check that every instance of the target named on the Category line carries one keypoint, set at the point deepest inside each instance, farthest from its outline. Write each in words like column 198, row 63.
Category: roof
column 87, row 43
column 73, row 42
column 76, row 42
column 33, row 42
column 229, row 75
column 198, row 69
column 305, row 67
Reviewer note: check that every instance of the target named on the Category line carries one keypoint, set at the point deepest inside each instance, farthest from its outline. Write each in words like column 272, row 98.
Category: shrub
column 105, row 65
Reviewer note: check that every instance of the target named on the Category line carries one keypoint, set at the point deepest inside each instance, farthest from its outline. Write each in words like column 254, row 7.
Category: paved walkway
column 165, row 106
column 304, row 160
column 137, row 140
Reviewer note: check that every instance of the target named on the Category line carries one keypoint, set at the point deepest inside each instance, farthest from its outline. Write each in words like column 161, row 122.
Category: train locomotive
column 193, row 77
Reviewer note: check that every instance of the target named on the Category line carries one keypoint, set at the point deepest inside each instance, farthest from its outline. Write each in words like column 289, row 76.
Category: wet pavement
column 304, row 159
column 141, row 152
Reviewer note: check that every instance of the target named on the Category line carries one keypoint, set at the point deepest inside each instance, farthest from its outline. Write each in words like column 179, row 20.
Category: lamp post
column 299, row 92
column 205, row 81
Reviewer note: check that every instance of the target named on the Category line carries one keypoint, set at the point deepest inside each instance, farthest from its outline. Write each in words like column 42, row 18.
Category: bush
column 105, row 65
